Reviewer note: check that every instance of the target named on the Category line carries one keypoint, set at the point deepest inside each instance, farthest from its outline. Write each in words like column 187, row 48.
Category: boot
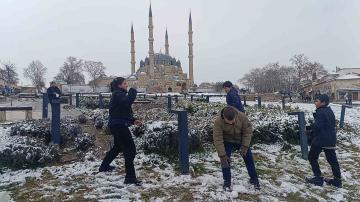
column 106, row 168
column 133, row 181
column 227, row 186
column 334, row 182
column 318, row 181
column 256, row 184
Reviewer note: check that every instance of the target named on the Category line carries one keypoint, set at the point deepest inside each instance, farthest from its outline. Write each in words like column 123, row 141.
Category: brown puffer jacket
column 240, row 132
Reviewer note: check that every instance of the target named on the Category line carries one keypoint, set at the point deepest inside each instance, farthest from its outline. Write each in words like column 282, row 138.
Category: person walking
column 232, row 96
column 233, row 132
column 324, row 139
column 120, row 118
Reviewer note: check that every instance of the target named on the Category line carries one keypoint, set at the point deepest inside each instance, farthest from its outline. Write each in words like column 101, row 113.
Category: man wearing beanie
column 324, row 139
column 232, row 97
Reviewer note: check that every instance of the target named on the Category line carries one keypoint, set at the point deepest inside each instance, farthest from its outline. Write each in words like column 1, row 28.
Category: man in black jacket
column 324, row 139
column 53, row 92
column 120, row 118
column 232, row 97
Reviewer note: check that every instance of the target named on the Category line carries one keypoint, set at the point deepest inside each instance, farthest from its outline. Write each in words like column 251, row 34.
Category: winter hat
column 227, row 84
column 116, row 82
column 323, row 98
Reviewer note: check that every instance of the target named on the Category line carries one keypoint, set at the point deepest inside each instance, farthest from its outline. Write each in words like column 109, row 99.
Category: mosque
column 160, row 72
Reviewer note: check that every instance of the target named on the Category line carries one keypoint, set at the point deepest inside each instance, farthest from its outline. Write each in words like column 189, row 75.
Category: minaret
column 132, row 41
column 166, row 43
column 191, row 56
column 151, row 45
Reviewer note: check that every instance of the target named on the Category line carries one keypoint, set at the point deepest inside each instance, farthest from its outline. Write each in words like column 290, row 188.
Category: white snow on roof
column 348, row 76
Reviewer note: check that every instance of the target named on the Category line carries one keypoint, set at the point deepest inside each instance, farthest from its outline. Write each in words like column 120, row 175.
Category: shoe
column 256, row 184
column 133, row 181
column 334, row 182
column 227, row 186
column 318, row 181
column 106, row 168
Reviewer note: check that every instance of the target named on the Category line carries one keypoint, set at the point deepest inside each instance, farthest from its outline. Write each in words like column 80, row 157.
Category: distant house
column 337, row 84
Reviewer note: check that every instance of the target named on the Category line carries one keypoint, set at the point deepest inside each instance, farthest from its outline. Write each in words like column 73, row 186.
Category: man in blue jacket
column 232, row 98
column 324, row 139
column 53, row 92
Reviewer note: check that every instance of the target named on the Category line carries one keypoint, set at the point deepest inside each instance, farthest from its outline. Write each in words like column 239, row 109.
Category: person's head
column 321, row 100
column 52, row 84
column 229, row 114
column 227, row 86
column 119, row 83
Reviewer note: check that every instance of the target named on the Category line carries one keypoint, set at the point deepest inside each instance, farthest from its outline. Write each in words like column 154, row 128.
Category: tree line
column 274, row 77
column 71, row 72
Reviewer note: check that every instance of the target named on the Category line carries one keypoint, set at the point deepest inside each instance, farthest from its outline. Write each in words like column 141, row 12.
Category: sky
column 230, row 37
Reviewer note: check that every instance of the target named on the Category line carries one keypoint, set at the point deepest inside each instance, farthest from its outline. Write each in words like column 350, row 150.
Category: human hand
column 225, row 161
column 243, row 150
column 138, row 123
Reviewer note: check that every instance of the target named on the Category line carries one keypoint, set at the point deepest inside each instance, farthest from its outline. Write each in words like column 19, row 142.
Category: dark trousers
column 122, row 142
column 330, row 157
column 248, row 159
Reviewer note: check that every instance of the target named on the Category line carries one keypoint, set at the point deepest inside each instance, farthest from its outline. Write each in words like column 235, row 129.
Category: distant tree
column 299, row 62
column 8, row 74
column 36, row 73
column 72, row 71
column 314, row 70
column 95, row 71
column 219, row 86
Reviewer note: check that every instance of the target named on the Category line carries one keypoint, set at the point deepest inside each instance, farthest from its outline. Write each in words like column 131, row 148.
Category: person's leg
column 227, row 171
column 313, row 159
column 114, row 151
column 332, row 159
column 129, row 152
column 250, row 166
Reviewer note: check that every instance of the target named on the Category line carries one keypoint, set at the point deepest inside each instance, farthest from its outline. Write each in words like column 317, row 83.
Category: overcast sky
column 230, row 36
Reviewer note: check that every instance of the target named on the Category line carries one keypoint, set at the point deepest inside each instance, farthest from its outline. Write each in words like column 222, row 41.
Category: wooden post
column 2, row 116
column 28, row 114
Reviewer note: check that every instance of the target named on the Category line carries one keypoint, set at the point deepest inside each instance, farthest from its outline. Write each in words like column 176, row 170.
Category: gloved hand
column 225, row 161
column 243, row 150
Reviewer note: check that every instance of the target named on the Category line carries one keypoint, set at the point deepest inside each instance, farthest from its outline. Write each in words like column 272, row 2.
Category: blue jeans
column 248, row 159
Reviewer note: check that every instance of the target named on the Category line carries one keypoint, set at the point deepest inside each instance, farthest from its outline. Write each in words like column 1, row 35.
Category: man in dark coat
column 53, row 92
column 324, row 139
column 232, row 98
column 120, row 118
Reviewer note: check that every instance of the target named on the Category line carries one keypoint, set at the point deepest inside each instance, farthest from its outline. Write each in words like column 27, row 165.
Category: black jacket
column 324, row 128
column 233, row 99
column 52, row 91
column 120, row 111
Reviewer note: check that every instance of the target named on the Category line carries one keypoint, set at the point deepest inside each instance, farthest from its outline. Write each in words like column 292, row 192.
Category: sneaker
column 227, row 188
column 133, row 181
column 106, row 168
column 318, row 181
column 334, row 182
column 256, row 184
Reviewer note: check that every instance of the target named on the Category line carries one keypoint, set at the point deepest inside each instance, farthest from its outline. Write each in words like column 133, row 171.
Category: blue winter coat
column 51, row 91
column 324, row 128
column 233, row 99
column 120, row 111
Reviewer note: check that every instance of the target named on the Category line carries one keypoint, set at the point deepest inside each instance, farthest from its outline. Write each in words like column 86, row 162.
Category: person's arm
column 246, row 131
column 319, row 123
column 218, row 138
column 132, row 95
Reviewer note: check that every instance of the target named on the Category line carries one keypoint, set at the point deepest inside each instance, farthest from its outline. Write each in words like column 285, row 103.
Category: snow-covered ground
column 281, row 175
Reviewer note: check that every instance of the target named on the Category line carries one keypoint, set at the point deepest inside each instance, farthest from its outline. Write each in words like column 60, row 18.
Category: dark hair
column 227, row 84
column 229, row 113
column 114, row 85
column 323, row 98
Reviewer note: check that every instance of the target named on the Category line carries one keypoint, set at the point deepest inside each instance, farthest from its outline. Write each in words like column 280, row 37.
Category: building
column 160, row 72
column 337, row 84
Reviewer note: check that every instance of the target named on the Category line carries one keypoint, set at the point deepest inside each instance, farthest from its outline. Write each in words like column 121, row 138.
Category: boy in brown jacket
column 233, row 131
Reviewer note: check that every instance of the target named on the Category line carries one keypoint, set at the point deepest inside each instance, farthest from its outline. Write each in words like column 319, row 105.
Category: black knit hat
column 323, row 98
column 227, row 84
column 116, row 82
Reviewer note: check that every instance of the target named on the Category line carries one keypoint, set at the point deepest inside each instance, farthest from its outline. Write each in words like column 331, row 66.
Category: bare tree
column 299, row 62
column 72, row 71
column 95, row 70
column 36, row 73
column 314, row 70
column 8, row 74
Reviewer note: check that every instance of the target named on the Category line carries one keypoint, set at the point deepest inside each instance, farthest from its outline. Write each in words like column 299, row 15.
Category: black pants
column 122, row 142
column 330, row 157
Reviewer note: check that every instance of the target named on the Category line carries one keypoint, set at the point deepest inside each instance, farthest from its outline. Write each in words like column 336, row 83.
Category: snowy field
column 281, row 174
